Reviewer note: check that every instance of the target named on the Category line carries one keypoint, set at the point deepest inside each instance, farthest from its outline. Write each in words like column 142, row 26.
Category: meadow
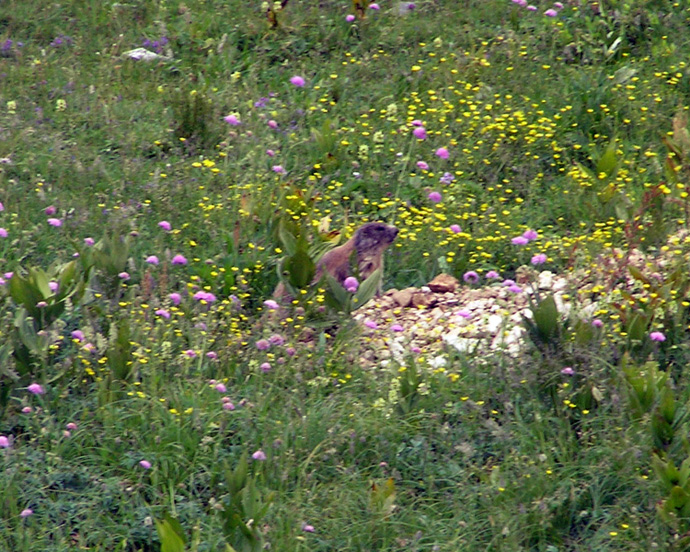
column 154, row 397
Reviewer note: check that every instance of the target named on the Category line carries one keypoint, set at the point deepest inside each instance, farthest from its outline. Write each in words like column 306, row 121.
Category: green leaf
column 368, row 288
column 608, row 161
column 300, row 269
column 287, row 238
column 546, row 318
column 171, row 535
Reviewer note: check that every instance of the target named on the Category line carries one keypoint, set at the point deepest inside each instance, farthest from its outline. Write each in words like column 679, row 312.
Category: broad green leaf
column 546, row 317
column 300, row 269
column 368, row 288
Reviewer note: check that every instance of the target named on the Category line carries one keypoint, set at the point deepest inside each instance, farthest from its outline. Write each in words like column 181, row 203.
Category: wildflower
column 89, row 241
column 26, row 512
column 514, row 288
column 165, row 225
column 297, row 81
column 145, row 464
column 36, row 389
column 189, row 353
column 351, row 284
column 419, row 133
column 163, row 313
column 41, row 304
column 447, row 178
column 176, row 298
column 349, row 18
column 204, row 296
column 262, row 344
column 374, row 6
column 290, row 351
column 435, row 197
column 558, row 5
column 520, row 240
column 538, row 259
column 492, row 275
column 305, row 526
column 455, row 229
column 228, row 406
column 471, row 277
column 152, row 259
column 232, row 119
column 567, row 371
column 50, row 210
column 3, row 233
column 77, row 335
column 2, row 207
column 265, row 367
column 532, row 8
column 371, row 324
column 179, row 260
column 272, row 124
column 550, row 13
column 276, row 339
column 53, row 286
column 396, row 328
column 423, row 165
column 442, row 153
column 123, row 276
column 415, row 349
column 270, row 152
column 212, row 355
column 597, row 323
column 657, row 336
column 279, row 169
column 55, row 222
column 4, row 442
column 71, row 426
column 27, row 410
column 530, row 235
column 464, row 313
column 271, row 304
column 221, row 388
column 259, row 455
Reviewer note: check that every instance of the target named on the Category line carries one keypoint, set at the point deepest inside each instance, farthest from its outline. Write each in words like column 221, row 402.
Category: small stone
column 403, row 297
column 443, row 283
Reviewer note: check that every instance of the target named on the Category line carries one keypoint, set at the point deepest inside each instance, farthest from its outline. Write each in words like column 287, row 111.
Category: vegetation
column 154, row 397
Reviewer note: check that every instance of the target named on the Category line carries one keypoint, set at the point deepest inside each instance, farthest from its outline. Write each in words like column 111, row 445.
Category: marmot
column 368, row 244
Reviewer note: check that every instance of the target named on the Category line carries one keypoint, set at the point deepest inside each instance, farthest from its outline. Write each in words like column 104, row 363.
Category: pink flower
column 272, row 124
column 228, row 406
column 463, row 313
column 78, row 335
column 442, row 153
column 419, row 133
column 265, row 367
column 259, row 455
column 374, row 6
column 179, row 260
column 492, row 275
column 53, row 286
column 271, row 304
column 152, row 259
column 532, row 8
column 538, row 259
column 276, row 339
column 455, row 228
column 550, row 13
column 232, row 119
column 163, row 313
column 2, row 207
column 471, row 277
column 123, row 276
column 26, row 512
column 520, row 240
column 55, row 222
column 50, row 210
column 417, row 123
column 423, row 165
column 270, row 152
column 349, row 18
column 371, row 324
column 3, row 233
column 530, row 234
column 435, row 197
column 397, row 328
column 297, row 81
column 189, row 353
column 567, row 371
column 71, row 426
column 4, row 442
column 36, row 389
column 145, row 464
column 657, row 336
column 279, row 169
column 176, row 298
column 558, row 5
column 212, row 355
column 165, row 225
column 597, row 323
column 351, row 284
column 221, row 388
column 305, row 526
column 514, row 288
column 262, row 344
column 89, row 241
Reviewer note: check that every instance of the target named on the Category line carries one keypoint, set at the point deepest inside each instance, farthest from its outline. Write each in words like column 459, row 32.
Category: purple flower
column 78, row 335
column 419, row 133
column 532, row 8
column 4, row 442
column 567, row 371
column 189, row 353
column 272, row 124
column 307, row 528
column 259, row 455
column 220, row 387
column 551, row 13
column 530, row 235
column 397, row 328
column 271, row 304
column 26, row 512
column 276, row 339
column 212, row 355
column 176, row 298
column 50, row 210
column 270, row 152
column 371, row 324
column 471, row 277
column 3, row 233
column 89, row 241
column 297, row 81
column 464, row 313
column 657, row 336
column 265, row 367
column 520, row 240
column 123, row 276
column 597, row 323
column 514, row 288
column 152, row 259
column 204, row 296
column 492, row 275
column 455, row 229
column 538, row 259
column 279, row 169
column 374, row 6
column 165, row 225
column 262, row 344
column 435, row 197
column 232, row 119
column 53, row 286
column 349, row 18
column 351, row 284
column 179, row 260
column 447, row 178
column 36, row 389
column 228, row 406
column 163, row 313
column 145, row 464
column 442, row 153
column 558, row 5
column 423, row 165
column 55, row 222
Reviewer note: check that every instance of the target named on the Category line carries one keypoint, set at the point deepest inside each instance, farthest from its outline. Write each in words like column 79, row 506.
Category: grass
column 178, row 411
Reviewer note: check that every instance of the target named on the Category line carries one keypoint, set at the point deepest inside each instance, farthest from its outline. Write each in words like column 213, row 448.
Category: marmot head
column 373, row 237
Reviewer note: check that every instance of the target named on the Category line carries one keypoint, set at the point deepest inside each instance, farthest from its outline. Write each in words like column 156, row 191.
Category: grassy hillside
column 151, row 399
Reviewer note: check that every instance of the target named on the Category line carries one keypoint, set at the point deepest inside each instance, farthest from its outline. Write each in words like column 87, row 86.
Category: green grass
column 569, row 125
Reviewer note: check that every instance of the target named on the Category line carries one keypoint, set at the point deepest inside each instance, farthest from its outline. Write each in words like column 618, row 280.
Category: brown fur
column 367, row 245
